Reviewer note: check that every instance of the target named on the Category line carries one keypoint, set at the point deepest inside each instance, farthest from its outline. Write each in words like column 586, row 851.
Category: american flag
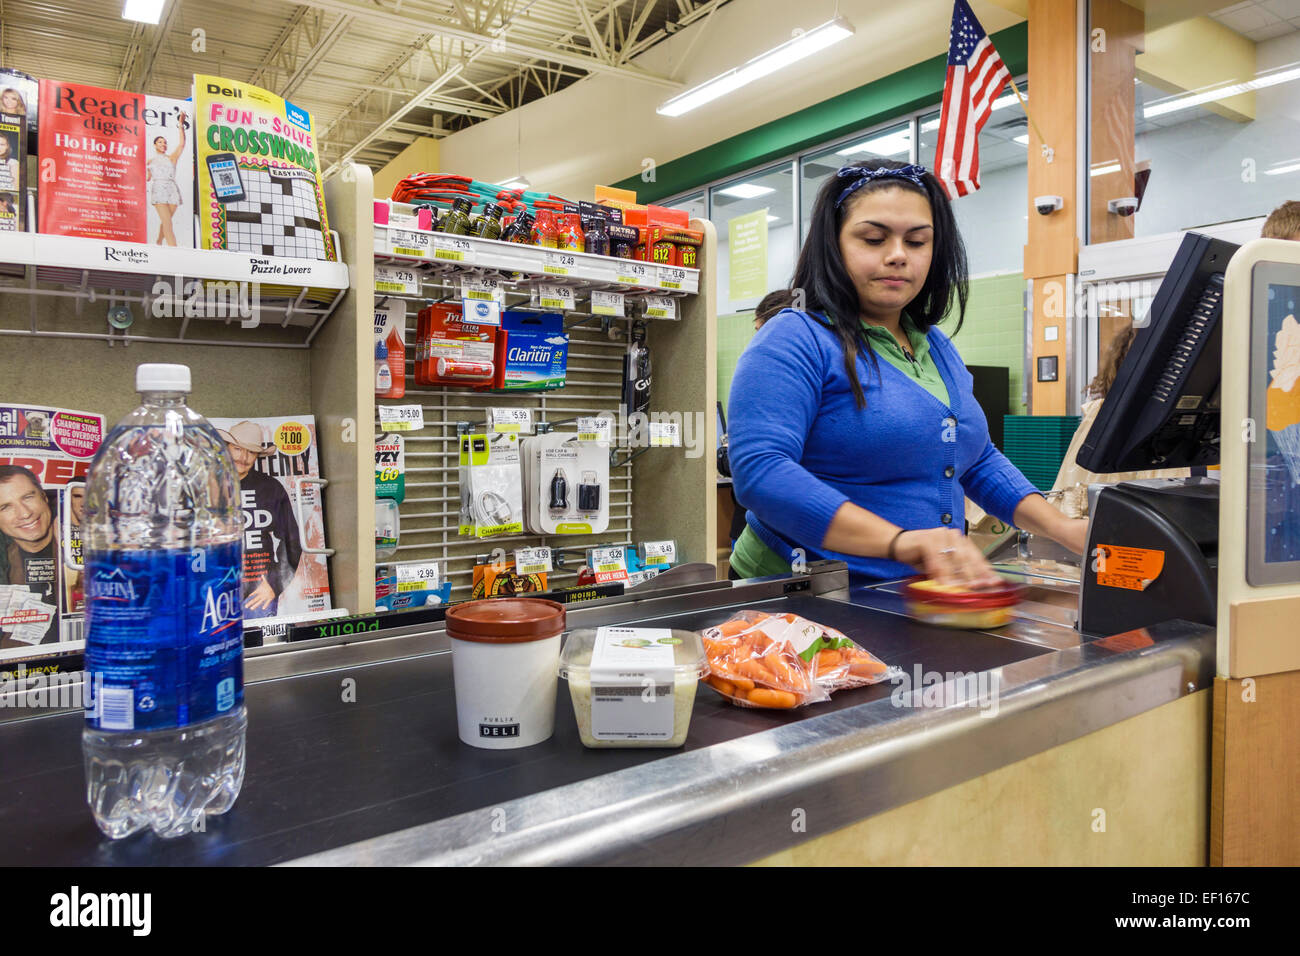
column 976, row 75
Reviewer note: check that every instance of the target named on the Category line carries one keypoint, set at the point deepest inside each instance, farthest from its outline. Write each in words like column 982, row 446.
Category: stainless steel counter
column 385, row 780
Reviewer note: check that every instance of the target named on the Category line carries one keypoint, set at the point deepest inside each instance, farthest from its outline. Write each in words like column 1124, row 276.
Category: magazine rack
column 322, row 363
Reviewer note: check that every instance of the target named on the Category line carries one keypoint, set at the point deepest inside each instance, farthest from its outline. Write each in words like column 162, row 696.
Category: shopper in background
column 1283, row 222
column 854, row 430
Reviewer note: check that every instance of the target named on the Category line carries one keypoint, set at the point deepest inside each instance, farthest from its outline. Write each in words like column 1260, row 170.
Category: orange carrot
column 788, row 675
column 726, row 688
column 743, row 683
column 866, row 667
column 755, row 672
column 763, row 697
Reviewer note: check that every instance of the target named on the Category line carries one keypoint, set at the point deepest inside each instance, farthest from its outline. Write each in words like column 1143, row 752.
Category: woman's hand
column 946, row 556
column 1036, row 516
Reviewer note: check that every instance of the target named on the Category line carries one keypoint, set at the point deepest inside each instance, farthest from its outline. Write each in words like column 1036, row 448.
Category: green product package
column 390, row 467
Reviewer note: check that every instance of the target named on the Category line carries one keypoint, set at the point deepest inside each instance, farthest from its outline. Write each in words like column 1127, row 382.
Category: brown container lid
column 505, row 620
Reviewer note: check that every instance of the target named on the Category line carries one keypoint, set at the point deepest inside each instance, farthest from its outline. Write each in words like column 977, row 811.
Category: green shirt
column 751, row 558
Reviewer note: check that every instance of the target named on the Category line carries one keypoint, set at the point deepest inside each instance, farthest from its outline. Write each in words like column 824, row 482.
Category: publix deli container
column 503, row 657
column 633, row 686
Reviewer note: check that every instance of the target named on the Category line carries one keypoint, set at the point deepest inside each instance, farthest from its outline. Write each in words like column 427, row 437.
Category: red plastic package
column 783, row 661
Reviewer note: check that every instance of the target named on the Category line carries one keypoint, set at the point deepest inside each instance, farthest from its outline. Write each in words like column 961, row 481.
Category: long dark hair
column 827, row 287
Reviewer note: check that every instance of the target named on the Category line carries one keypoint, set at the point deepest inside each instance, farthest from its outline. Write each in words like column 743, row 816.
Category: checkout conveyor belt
column 385, row 779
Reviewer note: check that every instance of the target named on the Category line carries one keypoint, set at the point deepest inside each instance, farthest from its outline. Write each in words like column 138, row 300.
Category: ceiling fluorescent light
column 746, row 191
column 516, row 182
column 1104, row 169
column 143, row 11
column 890, row 144
column 1279, row 170
column 772, row 218
column 1263, row 81
column 791, row 51
column 1001, row 103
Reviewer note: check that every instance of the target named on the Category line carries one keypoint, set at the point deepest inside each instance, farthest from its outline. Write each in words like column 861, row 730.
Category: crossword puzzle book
column 260, row 189
column 115, row 165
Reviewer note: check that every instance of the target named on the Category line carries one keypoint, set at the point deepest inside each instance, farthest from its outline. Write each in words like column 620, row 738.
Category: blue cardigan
column 800, row 447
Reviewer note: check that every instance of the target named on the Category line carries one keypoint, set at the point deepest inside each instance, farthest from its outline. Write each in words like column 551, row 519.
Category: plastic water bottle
column 163, row 533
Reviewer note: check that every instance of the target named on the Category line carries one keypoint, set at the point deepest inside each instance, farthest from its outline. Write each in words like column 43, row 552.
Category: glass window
column 1192, row 118
column 693, row 204
column 758, row 209
column 895, row 143
column 993, row 220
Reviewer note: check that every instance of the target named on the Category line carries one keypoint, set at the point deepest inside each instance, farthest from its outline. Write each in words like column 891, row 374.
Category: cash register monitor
column 1163, row 410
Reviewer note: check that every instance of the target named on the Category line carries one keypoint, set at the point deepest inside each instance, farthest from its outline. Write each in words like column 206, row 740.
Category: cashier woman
column 854, row 431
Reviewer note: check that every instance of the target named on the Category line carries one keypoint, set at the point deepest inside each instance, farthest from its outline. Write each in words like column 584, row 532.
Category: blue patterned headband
column 859, row 176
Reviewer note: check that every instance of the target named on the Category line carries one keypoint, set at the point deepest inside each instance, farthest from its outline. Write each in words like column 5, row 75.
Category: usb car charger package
column 568, row 484
column 496, row 500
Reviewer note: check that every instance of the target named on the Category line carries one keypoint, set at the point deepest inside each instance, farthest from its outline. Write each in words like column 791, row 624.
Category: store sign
column 660, row 307
column 418, row 576
column 401, row 418
column 553, row 297
column 396, row 280
column 511, row 420
column 747, row 238
column 607, row 303
column 595, row 429
column 451, row 249
column 406, row 243
column 609, row 564
column 532, row 560
column 635, row 273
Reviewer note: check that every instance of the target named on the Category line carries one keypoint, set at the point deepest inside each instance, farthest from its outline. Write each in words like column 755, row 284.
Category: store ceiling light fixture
column 890, row 144
column 746, row 191
column 1223, row 92
column 1001, row 103
column 1281, row 170
column 791, row 51
column 143, row 11
column 516, row 182
column 1104, row 169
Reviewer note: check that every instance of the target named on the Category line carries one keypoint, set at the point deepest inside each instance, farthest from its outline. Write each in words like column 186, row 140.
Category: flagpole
column 1024, row 104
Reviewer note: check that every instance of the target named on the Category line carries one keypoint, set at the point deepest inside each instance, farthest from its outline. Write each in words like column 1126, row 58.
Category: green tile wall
column 992, row 334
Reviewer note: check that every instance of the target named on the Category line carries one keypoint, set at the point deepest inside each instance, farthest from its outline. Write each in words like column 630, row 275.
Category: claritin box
column 532, row 351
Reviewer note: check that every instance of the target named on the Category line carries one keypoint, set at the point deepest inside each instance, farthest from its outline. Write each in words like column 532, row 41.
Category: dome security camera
column 1124, row 206
column 1046, row 205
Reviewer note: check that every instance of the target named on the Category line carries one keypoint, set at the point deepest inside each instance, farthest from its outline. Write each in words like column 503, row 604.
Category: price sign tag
column 532, row 560
column 594, row 429
column 659, row 552
column 665, row 435
column 553, row 297
column 609, row 564
column 514, row 420
column 486, row 289
column 634, row 273
column 453, row 249
column 559, row 263
column 660, row 307
column 671, row 277
column 409, row 243
column 396, row 279
column 418, row 576
column 607, row 303
column 401, row 418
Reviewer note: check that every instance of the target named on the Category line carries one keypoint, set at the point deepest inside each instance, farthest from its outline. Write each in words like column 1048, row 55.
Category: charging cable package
column 568, row 484
column 495, row 485
column 466, row 523
column 387, row 527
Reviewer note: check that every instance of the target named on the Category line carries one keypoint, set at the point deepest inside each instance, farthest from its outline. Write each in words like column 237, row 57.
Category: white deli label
column 401, row 418
column 452, row 249
column 660, row 552
column 635, row 273
column 632, row 671
column 486, row 289
column 559, row 263
column 665, row 435
column 660, row 307
column 511, row 419
column 404, row 243
column 554, row 296
column 479, row 312
column 607, row 303
column 418, row 576
column 396, row 279
column 595, row 429
column 532, row 560
column 671, row 277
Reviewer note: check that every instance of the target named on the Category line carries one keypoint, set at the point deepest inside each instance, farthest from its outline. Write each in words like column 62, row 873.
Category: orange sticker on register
column 1131, row 568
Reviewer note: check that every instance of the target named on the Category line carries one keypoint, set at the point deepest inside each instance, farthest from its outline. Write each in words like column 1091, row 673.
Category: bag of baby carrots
column 783, row 661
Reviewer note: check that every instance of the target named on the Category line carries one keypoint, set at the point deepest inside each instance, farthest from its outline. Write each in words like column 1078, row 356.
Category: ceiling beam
column 278, row 48
column 409, row 22
column 160, row 32
column 315, row 55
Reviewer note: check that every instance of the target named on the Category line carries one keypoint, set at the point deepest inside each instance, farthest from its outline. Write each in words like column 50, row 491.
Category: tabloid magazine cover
column 272, row 456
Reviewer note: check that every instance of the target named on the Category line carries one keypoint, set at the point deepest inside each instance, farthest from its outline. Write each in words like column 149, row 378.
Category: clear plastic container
column 952, row 606
column 632, row 674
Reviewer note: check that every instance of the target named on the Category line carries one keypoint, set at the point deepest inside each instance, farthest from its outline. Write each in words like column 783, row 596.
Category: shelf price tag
column 660, row 307
column 406, row 243
column 401, row 418
column 532, row 560
column 553, row 297
column 453, row 249
column 671, row 277
column 658, row 552
column 396, row 279
column 486, row 289
column 665, row 435
column 559, row 263
column 418, row 576
column 510, row 420
column 595, row 429
column 607, row 303
column 609, row 564
column 634, row 273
